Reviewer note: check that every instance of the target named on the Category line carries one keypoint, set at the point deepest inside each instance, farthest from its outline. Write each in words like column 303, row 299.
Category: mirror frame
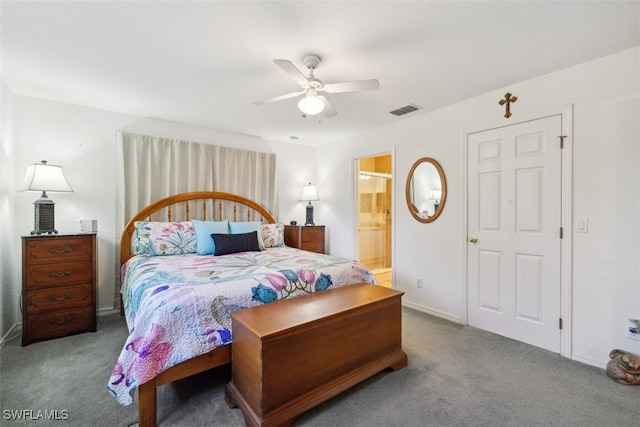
column 412, row 208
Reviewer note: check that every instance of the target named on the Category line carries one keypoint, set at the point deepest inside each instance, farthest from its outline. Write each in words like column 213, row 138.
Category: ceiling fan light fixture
column 311, row 105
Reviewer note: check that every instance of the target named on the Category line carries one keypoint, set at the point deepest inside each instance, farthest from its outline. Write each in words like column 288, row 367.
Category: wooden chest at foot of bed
column 292, row 355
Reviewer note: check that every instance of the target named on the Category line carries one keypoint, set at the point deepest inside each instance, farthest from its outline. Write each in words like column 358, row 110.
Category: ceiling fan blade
column 293, row 72
column 355, row 86
column 328, row 111
column 278, row 98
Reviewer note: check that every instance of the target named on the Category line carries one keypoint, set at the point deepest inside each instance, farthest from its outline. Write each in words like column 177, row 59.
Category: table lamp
column 309, row 194
column 45, row 177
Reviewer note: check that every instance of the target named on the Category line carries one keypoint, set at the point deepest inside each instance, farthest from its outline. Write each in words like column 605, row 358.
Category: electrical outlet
column 419, row 282
column 633, row 331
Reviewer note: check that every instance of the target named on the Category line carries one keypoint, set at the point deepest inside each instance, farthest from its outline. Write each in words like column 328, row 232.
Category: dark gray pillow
column 232, row 243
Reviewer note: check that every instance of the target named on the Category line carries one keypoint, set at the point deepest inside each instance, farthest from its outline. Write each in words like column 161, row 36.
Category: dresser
column 58, row 285
column 307, row 237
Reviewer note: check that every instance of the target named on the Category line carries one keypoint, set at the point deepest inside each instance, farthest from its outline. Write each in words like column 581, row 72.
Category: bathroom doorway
column 374, row 189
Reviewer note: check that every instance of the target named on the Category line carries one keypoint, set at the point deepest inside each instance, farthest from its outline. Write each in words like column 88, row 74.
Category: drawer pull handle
column 62, row 298
column 53, row 250
column 56, row 274
column 55, row 321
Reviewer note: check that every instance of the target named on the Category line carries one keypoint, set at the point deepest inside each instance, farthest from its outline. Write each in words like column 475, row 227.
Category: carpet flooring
column 457, row 376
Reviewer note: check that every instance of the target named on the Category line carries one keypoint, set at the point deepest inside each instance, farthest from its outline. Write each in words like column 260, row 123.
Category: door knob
column 473, row 239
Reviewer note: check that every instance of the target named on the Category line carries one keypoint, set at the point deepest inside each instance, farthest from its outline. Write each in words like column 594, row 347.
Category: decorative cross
column 508, row 99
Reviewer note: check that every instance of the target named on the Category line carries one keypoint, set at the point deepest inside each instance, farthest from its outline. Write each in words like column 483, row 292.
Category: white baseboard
column 589, row 361
column 13, row 332
column 433, row 311
column 108, row 311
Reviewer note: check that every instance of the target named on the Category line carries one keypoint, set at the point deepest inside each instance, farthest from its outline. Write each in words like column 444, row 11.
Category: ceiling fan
column 312, row 103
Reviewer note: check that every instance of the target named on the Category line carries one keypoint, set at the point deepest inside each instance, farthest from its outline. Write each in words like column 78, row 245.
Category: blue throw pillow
column 204, row 230
column 233, row 243
column 248, row 227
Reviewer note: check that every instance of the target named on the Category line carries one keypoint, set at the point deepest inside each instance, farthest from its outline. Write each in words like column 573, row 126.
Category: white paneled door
column 514, row 220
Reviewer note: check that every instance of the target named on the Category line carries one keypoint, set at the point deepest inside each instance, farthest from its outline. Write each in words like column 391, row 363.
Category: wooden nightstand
column 307, row 237
column 58, row 285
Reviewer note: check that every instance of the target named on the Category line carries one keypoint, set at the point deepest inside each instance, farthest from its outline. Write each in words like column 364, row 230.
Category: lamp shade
column 45, row 177
column 311, row 105
column 309, row 193
column 436, row 194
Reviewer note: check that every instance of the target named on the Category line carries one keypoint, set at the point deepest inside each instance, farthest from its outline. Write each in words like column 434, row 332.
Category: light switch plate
column 582, row 224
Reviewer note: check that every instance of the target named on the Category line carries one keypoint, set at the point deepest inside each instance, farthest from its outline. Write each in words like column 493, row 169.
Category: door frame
column 356, row 203
column 566, row 115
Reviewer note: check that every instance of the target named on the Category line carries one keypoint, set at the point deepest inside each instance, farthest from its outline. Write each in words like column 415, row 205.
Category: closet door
column 514, row 248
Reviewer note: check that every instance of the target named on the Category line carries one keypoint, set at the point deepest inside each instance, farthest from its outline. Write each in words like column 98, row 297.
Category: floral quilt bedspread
column 178, row 307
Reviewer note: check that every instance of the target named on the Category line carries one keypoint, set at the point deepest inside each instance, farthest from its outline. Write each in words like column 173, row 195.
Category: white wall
column 604, row 95
column 9, row 249
column 83, row 141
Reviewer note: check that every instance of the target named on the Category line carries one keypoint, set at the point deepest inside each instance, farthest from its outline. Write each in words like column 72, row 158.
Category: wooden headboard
column 187, row 206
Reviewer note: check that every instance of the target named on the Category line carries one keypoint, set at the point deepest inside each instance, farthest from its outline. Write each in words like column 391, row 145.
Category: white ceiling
column 204, row 63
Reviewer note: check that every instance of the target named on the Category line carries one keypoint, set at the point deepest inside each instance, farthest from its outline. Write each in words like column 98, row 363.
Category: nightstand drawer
column 313, row 235
column 58, row 298
column 58, row 249
column 313, row 247
column 307, row 237
column 58, row 274
column 60, row 323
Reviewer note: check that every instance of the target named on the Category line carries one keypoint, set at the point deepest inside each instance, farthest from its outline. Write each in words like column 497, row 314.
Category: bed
column 177, row 298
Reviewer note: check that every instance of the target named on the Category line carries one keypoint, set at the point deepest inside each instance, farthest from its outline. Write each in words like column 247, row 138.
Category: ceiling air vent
column 404, row 110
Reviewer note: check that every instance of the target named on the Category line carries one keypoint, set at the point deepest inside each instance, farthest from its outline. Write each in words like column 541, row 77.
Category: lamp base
column 309, row 220
column 44, row 216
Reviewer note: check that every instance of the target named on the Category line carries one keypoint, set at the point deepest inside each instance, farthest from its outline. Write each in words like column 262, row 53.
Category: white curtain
column 151, row 168
column 154, row 168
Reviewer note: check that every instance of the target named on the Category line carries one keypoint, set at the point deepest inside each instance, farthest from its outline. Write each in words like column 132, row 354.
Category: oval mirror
column 426, row 190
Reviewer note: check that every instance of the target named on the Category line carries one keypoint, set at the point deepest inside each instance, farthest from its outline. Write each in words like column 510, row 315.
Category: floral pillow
column 272, row 235
column 165, row 238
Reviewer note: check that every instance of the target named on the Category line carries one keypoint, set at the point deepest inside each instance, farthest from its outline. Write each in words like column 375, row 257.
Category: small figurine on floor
column 624, row 367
